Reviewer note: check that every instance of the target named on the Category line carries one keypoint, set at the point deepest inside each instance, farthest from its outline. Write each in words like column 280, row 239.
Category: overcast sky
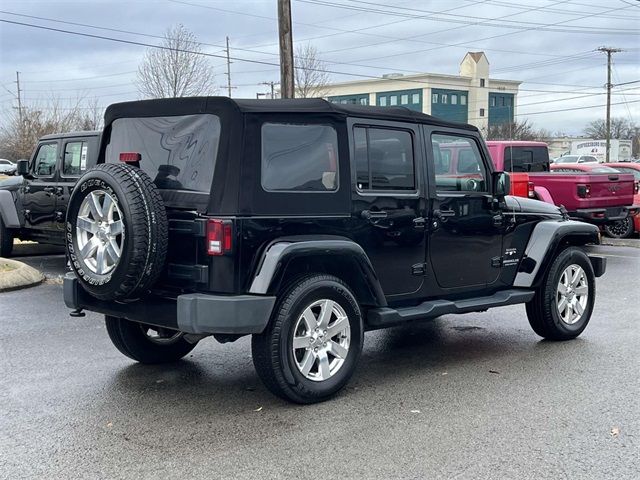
column 550, row 45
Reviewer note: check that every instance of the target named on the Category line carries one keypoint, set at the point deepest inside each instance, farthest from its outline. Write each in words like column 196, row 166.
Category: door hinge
column 419, row 222
column 419, row 269
column 496, row 262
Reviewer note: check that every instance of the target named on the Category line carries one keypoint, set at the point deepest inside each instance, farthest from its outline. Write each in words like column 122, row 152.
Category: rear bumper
column 196, row 313
column 603, row 215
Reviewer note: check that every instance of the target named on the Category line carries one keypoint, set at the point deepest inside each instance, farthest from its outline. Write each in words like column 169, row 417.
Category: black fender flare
column 283, row 252
column 8, row 210
column 547, row 238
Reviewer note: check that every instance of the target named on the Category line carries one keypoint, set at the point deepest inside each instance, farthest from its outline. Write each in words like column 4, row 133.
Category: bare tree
column 621, row 128
column 19, row 134
column 177, row 69
column 513, row 131
column 311, row 76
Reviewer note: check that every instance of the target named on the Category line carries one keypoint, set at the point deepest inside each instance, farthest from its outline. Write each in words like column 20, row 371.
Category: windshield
column 178, row 153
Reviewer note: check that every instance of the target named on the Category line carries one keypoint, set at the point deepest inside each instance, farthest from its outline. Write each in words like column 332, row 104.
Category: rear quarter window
column 299, row 158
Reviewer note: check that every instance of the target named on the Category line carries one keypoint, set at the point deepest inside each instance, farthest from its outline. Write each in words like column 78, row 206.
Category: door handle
column 442, row 214
column 373, row 214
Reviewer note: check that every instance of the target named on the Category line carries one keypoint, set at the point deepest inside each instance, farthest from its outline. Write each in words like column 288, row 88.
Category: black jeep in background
column 33, row 205
column 304, row 224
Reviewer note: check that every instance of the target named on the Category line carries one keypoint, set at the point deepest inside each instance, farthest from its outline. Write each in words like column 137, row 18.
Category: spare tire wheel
column 116, row 233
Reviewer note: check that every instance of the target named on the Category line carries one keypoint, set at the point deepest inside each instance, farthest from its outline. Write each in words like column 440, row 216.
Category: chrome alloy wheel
column 159, row 335
column 321, row 340
column 572, row 294
column 100, row 232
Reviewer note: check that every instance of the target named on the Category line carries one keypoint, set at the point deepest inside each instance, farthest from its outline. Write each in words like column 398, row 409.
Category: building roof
column 229, row 106
column 476, row 55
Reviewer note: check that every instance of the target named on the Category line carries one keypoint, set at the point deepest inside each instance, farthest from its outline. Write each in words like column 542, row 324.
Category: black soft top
column 216, row 105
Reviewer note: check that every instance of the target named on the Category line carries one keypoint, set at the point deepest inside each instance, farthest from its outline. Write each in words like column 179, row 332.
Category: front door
column 465, row 233
column 39, row 194
column 388, row 208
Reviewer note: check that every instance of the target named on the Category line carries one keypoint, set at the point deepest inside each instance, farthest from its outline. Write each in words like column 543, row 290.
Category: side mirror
column 501, row 184
column 23, row 167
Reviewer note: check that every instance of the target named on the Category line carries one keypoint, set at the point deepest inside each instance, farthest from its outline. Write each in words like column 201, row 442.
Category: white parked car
column 576, row 159
column 7, row 166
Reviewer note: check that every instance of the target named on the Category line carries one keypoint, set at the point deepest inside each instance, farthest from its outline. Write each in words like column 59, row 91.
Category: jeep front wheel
column 146, row 343
column 562, row 306
column 311, row 347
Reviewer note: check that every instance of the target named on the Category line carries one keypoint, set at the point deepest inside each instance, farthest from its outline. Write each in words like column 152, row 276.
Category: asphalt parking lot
column 472, row 396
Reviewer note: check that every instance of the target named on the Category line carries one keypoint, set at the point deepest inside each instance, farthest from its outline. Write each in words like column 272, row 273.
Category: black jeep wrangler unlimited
column 305, row 224
column 33, row 205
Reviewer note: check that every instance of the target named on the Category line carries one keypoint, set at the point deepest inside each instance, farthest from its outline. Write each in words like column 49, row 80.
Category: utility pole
column 228, row 70
column 273, row 88
column 19, row 98
column 286, row 49
column 609, row 51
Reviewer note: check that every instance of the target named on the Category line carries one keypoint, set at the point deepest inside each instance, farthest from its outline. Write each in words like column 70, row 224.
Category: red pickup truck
column 598, row 198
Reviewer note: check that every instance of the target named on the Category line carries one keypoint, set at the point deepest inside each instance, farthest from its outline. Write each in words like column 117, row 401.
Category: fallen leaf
column 615, row 431
column 109, row 425
column 415, row 411
column 494, row 371
column 258, row 409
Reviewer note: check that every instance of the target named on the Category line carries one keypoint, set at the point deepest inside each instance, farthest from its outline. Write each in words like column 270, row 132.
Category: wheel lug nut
column 315, row 349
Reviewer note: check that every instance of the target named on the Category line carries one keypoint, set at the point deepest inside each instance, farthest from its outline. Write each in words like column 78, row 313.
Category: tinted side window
column 45, row 162
column 299, row 157
column 526, row 159
column 384, row 159
column 75, row 158
column 469, row 173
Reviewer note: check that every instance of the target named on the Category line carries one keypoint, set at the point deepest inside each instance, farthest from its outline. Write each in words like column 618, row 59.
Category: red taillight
column 636, row 188
column 584, row 191
column 531, row 190
column 219, row 236
column 130, row 157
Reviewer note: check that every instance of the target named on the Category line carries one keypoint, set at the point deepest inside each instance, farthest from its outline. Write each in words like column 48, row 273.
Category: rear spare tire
column 116, row 232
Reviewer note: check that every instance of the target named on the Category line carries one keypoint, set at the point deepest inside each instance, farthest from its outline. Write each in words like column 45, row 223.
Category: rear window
column 177, row 152
column 526, row 159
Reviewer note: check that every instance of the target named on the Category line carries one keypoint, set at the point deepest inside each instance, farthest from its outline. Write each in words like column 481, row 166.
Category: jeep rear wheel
column 562, row 306
column 311, row 347
column 6, row 240
column 146, row 343
column 116, row 232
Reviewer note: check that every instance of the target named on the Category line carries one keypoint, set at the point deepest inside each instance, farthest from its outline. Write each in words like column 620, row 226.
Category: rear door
column 465, row 238
column 388, row 203
column 39, row 192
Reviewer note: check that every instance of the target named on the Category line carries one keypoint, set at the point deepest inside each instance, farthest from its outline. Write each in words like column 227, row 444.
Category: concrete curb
column 621, row 242
column 21, row 276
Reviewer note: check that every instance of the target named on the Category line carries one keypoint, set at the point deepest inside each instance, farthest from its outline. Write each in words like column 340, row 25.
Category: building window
column 383, row 101
column 393, row 100
column 434, row 98
column 482, row 82
column 493, row 101
column 482, row 112
column 357, row 99
column 463, row 99
column 404, row 99
column 454, row 99
column 301, row 158
column 415, row 98
column 443, row 98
